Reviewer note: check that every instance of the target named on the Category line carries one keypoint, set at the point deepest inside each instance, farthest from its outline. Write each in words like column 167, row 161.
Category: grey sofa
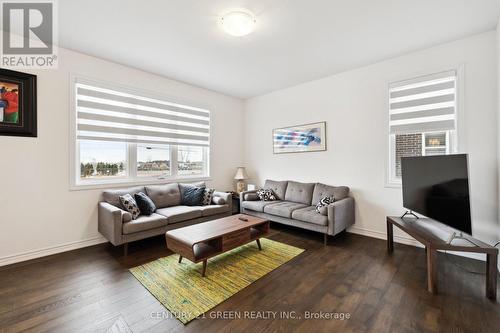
column 117, row 225
column 296, row 203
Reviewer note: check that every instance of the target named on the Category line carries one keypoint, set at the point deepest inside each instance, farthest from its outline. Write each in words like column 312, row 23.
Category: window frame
column 457, row 138
column 131, row 179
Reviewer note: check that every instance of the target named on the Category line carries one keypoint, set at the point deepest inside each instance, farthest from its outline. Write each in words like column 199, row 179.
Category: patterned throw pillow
column 266, row 195
column 130, row 205
column 145, row 204
column 325, row 201
column 208, row 195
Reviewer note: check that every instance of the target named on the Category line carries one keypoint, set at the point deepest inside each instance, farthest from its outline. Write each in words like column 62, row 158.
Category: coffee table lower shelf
column 186, row 241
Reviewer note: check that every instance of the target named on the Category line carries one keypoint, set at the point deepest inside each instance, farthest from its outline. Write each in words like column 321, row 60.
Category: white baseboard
column 409, row 241
column 383, row 235
column 47, row 251
column 15, row 258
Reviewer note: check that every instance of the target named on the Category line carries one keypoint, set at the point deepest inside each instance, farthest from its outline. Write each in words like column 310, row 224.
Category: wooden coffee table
column 202, row 241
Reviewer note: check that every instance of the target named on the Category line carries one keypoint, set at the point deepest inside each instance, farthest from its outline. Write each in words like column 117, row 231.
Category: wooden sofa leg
column 125, row 249
column 325, row 240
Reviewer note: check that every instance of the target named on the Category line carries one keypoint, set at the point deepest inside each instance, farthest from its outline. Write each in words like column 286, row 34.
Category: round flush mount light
column 239, row 22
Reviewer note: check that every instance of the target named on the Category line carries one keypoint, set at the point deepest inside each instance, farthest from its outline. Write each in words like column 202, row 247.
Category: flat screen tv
column 438, row 187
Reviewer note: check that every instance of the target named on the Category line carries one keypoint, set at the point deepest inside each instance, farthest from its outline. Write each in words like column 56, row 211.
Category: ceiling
column 295, row 40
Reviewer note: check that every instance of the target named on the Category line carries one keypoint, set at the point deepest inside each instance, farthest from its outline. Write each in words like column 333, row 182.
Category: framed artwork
column 300, row 138
column 17, row 103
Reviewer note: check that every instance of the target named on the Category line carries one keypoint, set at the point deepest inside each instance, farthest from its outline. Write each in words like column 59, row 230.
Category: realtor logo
column 28, row 34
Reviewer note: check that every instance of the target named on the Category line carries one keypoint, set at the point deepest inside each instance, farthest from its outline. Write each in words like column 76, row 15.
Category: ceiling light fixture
column 238, row 22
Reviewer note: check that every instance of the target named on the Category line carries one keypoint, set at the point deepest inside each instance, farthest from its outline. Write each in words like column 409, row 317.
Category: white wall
column 498, row 115
column 355, row 106
column 38, row 213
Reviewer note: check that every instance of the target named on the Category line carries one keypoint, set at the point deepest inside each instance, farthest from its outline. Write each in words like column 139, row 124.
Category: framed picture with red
column 17, row 103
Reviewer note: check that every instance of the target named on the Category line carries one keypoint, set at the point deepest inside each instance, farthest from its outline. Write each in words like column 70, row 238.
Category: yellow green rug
column 187, row 295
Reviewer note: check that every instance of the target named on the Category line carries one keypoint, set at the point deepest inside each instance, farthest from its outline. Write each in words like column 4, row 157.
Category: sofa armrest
column 228, row 198
column 109, row 222
column 340, row 215
column 242, row 194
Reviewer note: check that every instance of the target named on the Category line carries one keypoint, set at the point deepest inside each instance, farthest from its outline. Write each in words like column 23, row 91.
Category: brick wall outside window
column 407, row 145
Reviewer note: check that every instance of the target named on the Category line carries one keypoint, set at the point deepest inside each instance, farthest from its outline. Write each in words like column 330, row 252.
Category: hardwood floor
column 91, row 290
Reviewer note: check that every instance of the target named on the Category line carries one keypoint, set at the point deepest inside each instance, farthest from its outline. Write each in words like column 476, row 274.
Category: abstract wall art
column 300, row 138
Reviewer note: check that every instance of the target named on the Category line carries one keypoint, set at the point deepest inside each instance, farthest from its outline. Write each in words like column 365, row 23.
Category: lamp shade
column 241, row 174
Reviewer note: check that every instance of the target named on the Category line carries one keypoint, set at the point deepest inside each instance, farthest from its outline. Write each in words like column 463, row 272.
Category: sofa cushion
column 143, row 223
column 164, row 195
column 309, row 214
column 257, row 206
column 213, row 209
column 278, row 187
column 322, row 190
column 113, row 196
column 283, row 209
column 299, row 192
column 179, row 213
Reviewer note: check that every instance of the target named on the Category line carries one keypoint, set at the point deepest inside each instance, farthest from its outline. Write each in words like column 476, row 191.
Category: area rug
column 187, row 295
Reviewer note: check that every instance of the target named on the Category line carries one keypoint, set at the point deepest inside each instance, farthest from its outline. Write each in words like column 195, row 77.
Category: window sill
column 94, row 185
column 393, row 185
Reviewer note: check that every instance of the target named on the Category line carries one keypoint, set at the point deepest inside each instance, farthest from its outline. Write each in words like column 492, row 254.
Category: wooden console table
column 435, row 236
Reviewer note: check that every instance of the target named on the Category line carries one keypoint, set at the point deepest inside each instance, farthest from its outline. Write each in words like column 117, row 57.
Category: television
column 438, row 188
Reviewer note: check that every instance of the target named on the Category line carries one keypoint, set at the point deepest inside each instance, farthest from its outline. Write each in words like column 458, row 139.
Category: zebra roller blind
column 111, row 115
column 423, row 104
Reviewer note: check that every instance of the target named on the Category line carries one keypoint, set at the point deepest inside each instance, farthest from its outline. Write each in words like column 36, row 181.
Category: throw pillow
column 145, row 204
column 130, row 205
column 208, row 195
column 323, row 203
column 126, row 216
column 192, row 196
column 218, row 201
column 251, row 197
column 266, row 195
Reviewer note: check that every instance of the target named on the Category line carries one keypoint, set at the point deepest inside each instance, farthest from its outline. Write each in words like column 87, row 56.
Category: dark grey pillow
column 145, row 204
column 192, row 196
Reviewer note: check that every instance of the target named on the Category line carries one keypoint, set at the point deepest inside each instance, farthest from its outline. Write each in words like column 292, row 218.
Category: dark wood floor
column 91, row 290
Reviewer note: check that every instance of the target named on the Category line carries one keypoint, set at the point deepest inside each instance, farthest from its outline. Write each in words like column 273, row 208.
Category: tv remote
column 243, row 219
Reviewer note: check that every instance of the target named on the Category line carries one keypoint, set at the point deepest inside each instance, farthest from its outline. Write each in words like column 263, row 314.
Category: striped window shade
column 423, row 104
column 111, row 115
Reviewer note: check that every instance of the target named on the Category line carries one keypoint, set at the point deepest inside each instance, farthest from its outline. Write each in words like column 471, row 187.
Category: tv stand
column 460, row 235
column 409, row 212
column 435, row 236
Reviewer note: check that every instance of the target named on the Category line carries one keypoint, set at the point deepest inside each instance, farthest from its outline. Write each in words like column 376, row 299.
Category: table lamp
column 240, row 176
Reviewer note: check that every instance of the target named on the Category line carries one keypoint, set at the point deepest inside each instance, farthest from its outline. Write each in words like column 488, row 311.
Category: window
column 153, row 161
column 422, row 119
column 190, row 160
column 100, row 160
column 129, row 137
